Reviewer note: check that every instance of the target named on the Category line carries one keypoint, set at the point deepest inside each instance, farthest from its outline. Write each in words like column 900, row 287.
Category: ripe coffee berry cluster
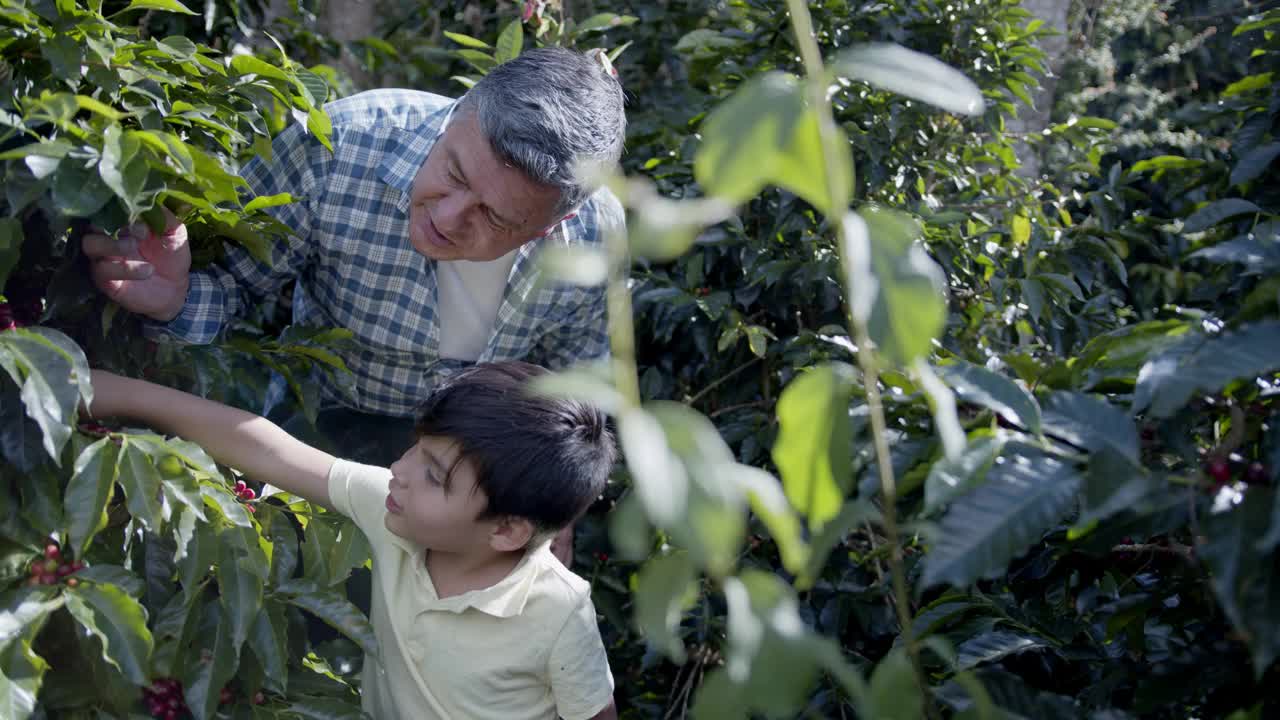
column 52, row 568
column 7, row 320
column 164, row 699
column 246, row 493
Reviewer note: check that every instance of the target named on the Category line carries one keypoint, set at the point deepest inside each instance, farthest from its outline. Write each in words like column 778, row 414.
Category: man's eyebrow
column 457, row 168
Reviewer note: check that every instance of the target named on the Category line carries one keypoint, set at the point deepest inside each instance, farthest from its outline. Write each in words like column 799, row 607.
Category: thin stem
column 622, row 335
column 815, row 74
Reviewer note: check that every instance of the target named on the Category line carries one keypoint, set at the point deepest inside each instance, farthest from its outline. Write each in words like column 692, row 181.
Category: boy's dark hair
column 536, row 457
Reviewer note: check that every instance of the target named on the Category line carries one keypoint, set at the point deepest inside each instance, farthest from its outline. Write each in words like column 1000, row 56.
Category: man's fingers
column 103, row 246
column 114, row 269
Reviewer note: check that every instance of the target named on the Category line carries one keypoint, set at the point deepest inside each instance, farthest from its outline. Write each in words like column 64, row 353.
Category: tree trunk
column 347, row 21
column 1034, row 120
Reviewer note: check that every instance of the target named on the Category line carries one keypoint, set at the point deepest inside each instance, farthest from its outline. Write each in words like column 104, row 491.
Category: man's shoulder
column 601, row 212
column 387, row 107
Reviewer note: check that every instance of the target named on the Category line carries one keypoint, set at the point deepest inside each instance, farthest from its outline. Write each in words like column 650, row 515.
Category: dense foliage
column 1025, row 430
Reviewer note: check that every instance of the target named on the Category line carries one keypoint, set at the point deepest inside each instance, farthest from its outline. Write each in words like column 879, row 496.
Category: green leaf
column 894, row 693
column 603, row 21
column 323, row 708
column 267, row 201
column 1025, row 494
column 812, row 451
column 1243, row 578
column 78, row 191
column 89, row 492
column 129, row 583
column 1091, row 423
column 240, row 590
column 122, row 169
column 319, row 124
column 949, row 479
column 665, row 589
column 769, row 503
column 659, row 478
column 119, row 622
column 164, row 5
column 853, row 514
column 1254, row 163
column 315, row 86
column 912, row 74
column 10, row 246
column 467, row 40
column 591, row 384
column 141, row 483
column 25, row 611
column 21, row 674
column 210, row 662
column 1217, row 211
column 510, row 41
column 893, row 284
column 250, row 65
column 65, row 57
column 1257, row 257
column 992, row 646
column 333, row 609
column 769, row 648
column 1113, row 484
column 268, row 638
column 49, row 380
column 1260, row 81
column 574, row 264
column 976, row 384
column 769, row 114
column 1199, row 363
column 85, row 102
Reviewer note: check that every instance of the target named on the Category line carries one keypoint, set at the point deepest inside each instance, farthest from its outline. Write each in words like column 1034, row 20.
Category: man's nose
column 452, row 211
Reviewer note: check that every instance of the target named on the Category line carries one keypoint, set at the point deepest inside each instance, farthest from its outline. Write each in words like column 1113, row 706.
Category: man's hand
column 144, row 272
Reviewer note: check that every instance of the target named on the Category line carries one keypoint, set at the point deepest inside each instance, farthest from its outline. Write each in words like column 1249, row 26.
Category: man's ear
column 547, row 231
column 510, row 534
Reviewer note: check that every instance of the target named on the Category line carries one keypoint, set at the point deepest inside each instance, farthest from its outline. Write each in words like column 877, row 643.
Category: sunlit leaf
column 92, row 483
column 119, row 622
column 660, row 478
column 976, row 384
column 769, row 114
column 894, row 284
column 912, row 74
column 1024, row 495
column 812, row 451
column 665, row 589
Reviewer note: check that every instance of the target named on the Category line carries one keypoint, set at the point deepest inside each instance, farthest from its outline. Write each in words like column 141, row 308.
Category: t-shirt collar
column 505, row 598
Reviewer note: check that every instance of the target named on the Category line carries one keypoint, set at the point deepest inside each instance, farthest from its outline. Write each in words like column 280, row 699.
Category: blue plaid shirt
column 356, row 268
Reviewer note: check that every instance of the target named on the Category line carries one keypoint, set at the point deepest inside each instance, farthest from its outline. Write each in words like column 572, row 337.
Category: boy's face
column 432, row 507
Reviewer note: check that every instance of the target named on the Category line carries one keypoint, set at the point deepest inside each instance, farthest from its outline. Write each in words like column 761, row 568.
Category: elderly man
column 418, row 233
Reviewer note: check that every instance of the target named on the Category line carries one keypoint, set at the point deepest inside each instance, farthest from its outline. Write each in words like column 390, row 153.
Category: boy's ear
column 510, row 534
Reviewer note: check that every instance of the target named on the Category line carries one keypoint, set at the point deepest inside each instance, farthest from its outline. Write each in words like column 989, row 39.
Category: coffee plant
column 905, row 434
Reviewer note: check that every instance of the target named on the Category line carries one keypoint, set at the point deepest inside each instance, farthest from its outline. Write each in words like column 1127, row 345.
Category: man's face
column 433, row 500
column 467, row 204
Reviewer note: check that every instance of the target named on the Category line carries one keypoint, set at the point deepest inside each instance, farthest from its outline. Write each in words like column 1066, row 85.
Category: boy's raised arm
column 252, row 444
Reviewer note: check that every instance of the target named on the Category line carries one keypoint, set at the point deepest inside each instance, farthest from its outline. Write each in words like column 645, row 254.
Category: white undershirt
column 470, row 294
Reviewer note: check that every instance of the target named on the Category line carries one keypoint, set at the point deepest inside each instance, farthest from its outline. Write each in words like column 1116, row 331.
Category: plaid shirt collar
column 403, row 161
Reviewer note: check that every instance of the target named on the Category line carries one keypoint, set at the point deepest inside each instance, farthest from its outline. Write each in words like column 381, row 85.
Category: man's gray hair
column 548, row 110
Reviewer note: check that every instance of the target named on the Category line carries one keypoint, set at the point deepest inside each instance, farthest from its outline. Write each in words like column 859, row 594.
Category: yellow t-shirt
column 526, row 647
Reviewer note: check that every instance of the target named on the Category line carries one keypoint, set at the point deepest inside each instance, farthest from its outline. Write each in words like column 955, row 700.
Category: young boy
column 474, row 616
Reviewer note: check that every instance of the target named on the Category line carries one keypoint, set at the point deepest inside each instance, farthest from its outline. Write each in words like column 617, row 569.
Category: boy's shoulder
column 557, row 590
